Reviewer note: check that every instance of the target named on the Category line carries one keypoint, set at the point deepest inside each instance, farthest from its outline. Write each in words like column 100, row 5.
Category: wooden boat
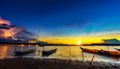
column 117, row 49
column 115, row 54
column 47, row 53
column 21, row 53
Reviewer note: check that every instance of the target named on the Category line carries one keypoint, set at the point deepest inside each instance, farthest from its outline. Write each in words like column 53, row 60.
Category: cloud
column 6, row 26
column 7, row 30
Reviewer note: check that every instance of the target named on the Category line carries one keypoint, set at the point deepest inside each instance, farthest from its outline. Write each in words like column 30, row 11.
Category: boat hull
column 21, row 53
column 117, row 49
column 115, row 54
column 47, row 53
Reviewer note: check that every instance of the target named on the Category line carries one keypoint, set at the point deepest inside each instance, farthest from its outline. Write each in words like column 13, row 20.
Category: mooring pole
column 82, row 55
column 92, row 58
column 108, row 48
column 70, row 52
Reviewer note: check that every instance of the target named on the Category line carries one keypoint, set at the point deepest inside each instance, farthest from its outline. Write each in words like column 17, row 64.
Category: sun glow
column 7, row 34
column 79, row 42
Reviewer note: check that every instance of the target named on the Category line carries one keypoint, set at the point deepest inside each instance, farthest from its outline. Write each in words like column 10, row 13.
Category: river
column 63, row 52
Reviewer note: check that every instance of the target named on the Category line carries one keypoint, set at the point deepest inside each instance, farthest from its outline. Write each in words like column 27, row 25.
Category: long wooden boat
column 115, row 54
column 21, row 53
column 117, row 49
column 48, row 53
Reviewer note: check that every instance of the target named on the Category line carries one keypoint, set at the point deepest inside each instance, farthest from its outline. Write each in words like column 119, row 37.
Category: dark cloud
column 2, row 27
column 6, row 26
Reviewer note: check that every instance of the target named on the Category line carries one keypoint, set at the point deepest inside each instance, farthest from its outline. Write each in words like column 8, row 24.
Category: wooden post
column 22, row 46
column 82, row 55
column 92, row 59
column 36, row 50
column 69, row 52
column 108, row 48
column 14, row 50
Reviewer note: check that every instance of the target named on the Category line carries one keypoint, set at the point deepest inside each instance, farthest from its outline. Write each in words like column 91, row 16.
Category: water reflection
column 3, row 51
column 64, row 52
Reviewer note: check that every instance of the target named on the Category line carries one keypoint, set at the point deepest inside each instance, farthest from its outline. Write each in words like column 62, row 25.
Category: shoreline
column 47, row 63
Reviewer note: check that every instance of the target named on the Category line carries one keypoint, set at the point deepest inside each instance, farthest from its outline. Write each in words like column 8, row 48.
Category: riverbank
column 31, row 63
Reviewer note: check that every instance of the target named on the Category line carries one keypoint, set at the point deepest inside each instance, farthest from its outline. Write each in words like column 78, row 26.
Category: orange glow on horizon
column 74, row 40
column 77, row 41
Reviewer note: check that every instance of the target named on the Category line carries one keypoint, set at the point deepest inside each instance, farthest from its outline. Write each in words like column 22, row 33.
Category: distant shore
column 31, row 63
column 93, row 44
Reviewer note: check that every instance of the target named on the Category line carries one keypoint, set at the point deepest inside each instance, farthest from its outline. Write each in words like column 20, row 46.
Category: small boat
column 115, row 54
column 21, row 53
column 50, row 52
column 117, row 49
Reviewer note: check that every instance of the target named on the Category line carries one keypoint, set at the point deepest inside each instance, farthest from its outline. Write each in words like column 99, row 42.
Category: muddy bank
column 31, row 63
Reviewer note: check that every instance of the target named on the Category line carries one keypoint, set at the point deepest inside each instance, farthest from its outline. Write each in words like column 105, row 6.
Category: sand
column 31, row 63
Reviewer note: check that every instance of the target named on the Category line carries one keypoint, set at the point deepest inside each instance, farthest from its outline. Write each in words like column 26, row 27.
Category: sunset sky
column 65, row 21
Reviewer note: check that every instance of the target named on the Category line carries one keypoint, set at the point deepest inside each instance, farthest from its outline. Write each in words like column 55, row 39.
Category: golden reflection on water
column 3, row 51
column 64, row 52
column 74, row 52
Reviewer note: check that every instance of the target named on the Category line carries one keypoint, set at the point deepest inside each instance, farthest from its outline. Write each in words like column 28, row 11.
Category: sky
column 65, row 19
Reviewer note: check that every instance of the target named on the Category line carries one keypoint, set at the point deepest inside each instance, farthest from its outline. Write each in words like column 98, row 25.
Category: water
column 63, row 52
